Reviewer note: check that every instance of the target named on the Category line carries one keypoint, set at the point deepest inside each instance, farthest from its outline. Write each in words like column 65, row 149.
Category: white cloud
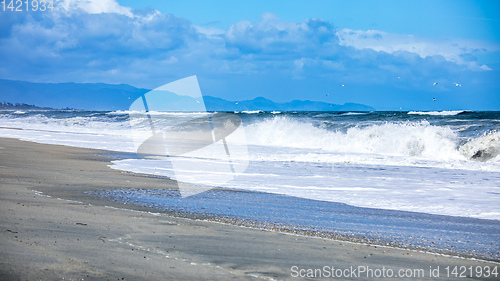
column 211, row 32
column 94, row 6
column 453, row 51
column 274, row 36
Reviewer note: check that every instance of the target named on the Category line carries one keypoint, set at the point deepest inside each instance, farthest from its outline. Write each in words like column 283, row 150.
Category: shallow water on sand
column 442, row 234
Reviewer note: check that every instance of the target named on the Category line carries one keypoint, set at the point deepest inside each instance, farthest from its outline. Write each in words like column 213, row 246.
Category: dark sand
column 51, row 230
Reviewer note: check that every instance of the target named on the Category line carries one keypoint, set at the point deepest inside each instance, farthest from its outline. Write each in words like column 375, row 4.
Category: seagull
column 434, row 99
column 237, row 102
column 435, row 83
column 457, row 85
column 399, row 77
column 327, row 95
column 198, row 101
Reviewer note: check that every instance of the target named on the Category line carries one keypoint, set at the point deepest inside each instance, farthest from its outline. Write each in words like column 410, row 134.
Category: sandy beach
column 51, row 230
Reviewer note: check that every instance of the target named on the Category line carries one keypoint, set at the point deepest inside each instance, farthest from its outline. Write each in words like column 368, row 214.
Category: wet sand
column 51, row 230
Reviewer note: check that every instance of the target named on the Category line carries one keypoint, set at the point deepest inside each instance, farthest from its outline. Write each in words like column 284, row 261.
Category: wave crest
column 415, row 139
column 438, row 113
column 484, row 148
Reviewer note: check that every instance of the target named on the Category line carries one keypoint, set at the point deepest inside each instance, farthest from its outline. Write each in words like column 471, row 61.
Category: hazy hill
column 73, row 95
column 99, row 96
column 260, row 103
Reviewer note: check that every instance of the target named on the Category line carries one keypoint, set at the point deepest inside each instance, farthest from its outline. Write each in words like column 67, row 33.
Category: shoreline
column 285, row 230
column 408, row 230
column 339, row 236
column 65, row 172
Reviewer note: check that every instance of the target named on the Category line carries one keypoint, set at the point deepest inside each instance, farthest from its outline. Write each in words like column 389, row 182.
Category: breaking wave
column 413, row 139
column 438, row 113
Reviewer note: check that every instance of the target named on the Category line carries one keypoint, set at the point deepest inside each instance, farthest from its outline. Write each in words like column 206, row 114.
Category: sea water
column 441, row 162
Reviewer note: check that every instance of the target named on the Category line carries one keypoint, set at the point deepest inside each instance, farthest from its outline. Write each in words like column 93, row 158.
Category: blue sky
column 388, row 54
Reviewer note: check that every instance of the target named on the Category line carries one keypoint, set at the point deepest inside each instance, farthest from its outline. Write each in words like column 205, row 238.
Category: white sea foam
column 79, row 131
column 486, row 147
column 413, row 139
column 155, row 113
column 442, row 113
column 354, row 113
column 251, row 111
column 435, row 191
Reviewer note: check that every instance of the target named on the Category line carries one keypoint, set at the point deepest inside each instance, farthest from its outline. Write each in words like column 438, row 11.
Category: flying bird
column 327, row 95
column 434, row 99
column 343, row 85
column 435, row 83
column 457, row 85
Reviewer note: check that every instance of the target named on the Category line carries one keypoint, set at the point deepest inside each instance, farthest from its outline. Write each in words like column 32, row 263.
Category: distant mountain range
column 99, row 96
column 260, row 103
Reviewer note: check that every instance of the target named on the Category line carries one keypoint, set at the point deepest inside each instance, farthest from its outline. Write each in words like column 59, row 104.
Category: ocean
column 386, row 170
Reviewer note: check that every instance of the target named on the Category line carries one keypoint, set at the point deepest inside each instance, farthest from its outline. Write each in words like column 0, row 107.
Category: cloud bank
column 380, row 41
column 101, row 41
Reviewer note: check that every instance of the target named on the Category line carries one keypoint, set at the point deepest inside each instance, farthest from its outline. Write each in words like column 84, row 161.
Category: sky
column 386, row 54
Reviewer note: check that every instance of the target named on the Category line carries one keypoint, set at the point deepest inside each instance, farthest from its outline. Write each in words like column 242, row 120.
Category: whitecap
column 438, row 113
